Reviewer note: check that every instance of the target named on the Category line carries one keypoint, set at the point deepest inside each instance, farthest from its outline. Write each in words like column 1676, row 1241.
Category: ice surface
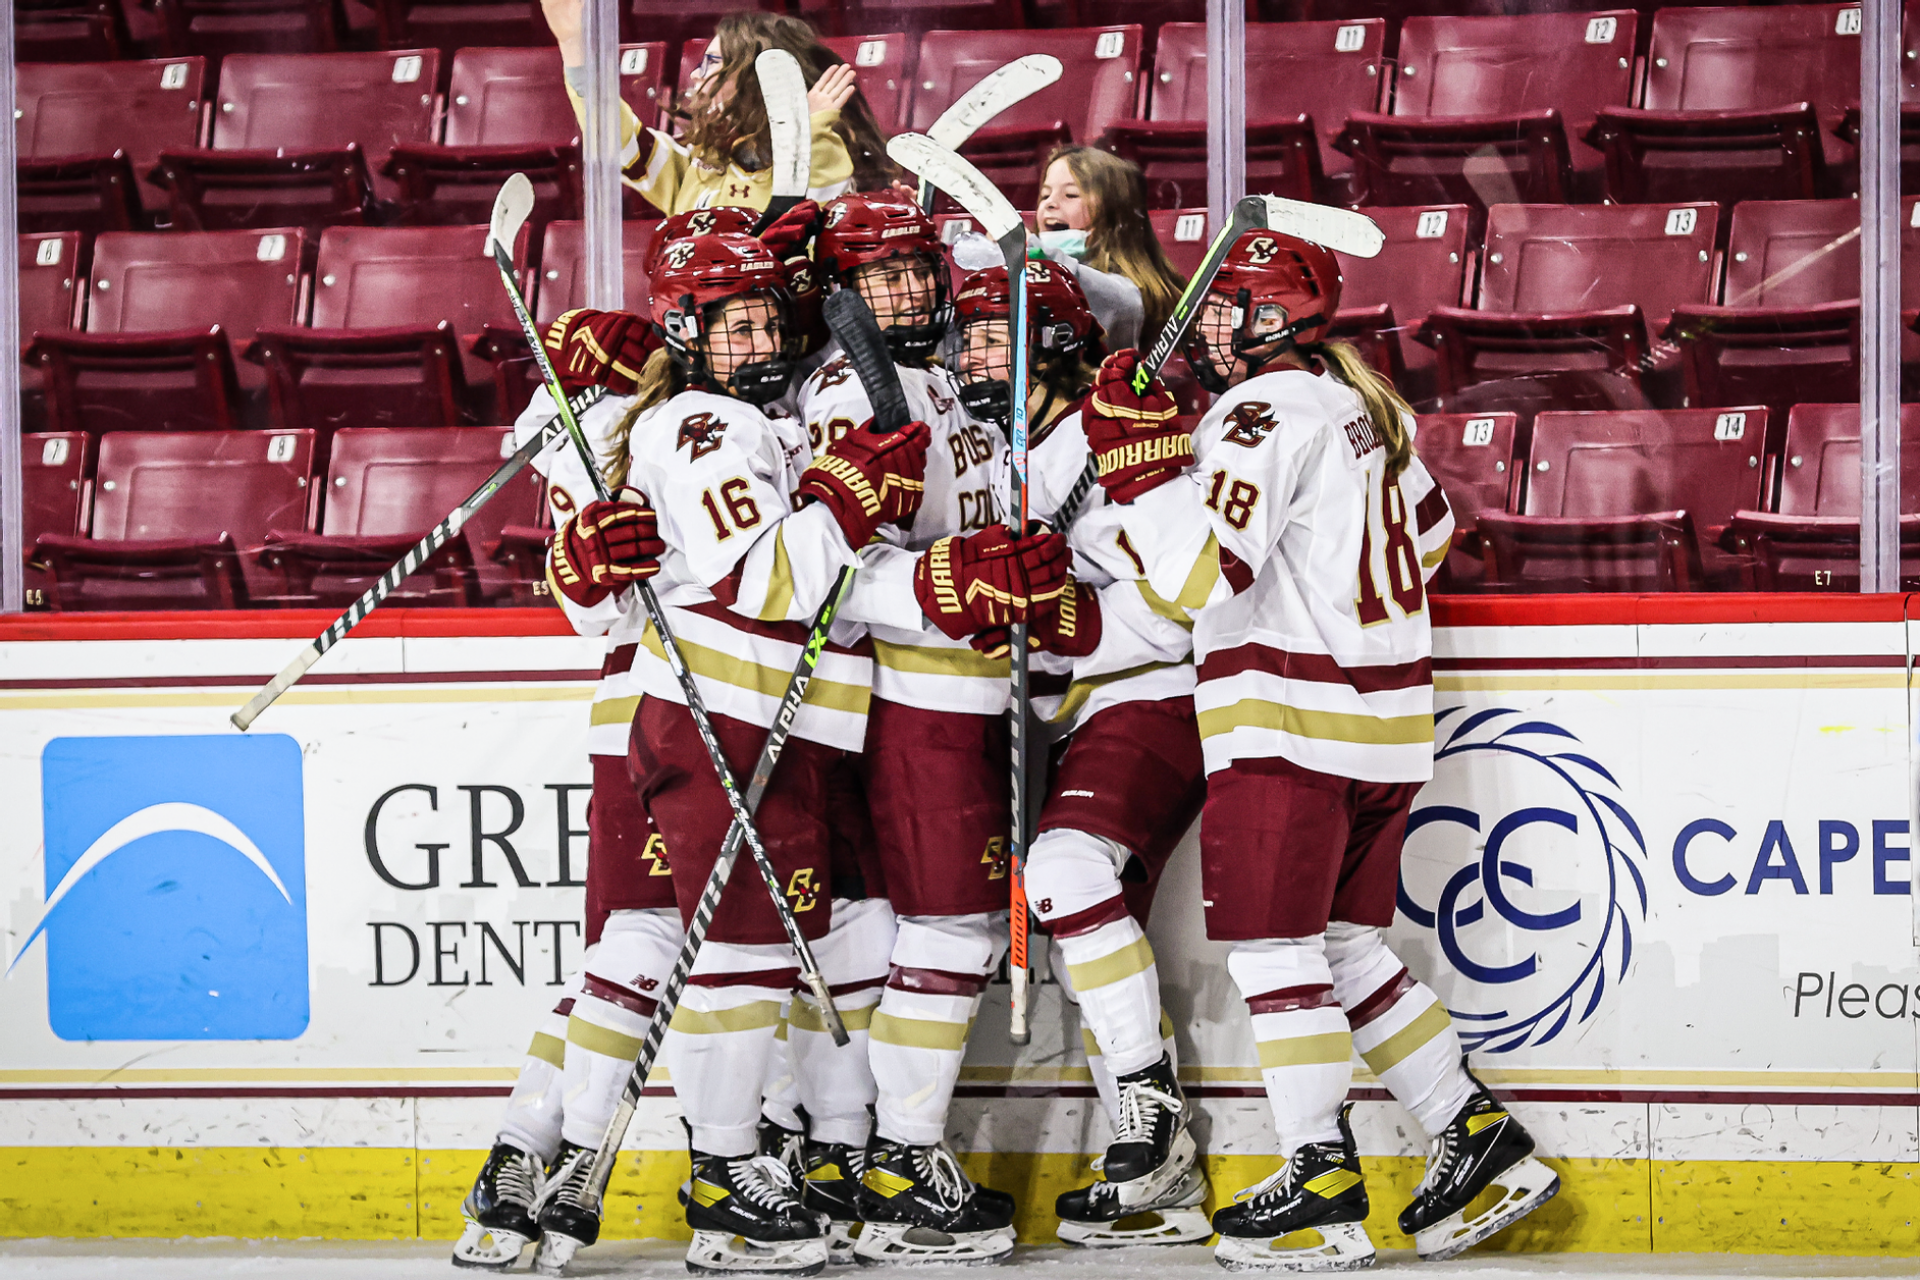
column 300, row 1260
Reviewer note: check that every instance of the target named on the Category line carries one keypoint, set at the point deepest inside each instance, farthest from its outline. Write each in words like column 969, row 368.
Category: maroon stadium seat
column 1324, row 70
column 174, row 513
column 1099, row 84
column 390, row 306
column 881, row 63
column 1776, row 356
column 1424, row 265
column 49, row 270
column 295, row 138
column 1472, row 456
column 68, row 31
column 70, row 120
column 1184, row 236
column 1813, row 542
column 644, row 83
column 1283, row 158
column 161, row 311
column 923, row 17
column 1568, row 296
column 384, row 489
column 1629, row 501
column 1735, row 104
column 1482, row 105
column 678, row 21
column 448, row 25
column 215, row 29
column 1793, row 253
column 507, row 113
column 55, row 486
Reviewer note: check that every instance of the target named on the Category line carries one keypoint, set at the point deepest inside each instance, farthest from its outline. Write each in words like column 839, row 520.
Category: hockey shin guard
column 1305, row 1048
column 780, row 1094
column 1400, row 1028
column 534, row 1109
column 609, row 1020
column 834, row 1083
column 919, row 1032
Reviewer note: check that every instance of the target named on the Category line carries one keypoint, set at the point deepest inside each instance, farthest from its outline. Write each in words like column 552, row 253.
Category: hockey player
column 935, row 763
column 1129, row 784
column 756, row 534
column 1298, row 528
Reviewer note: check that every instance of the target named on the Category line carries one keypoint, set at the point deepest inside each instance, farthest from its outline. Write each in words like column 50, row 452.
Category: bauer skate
column 1309, row 1216
column 919, row 1208
column 499, row 1210
column 1151, row 1188
column 748, row 1220
column 831, row 1185
column 568, row 1221
column 1482, row 1147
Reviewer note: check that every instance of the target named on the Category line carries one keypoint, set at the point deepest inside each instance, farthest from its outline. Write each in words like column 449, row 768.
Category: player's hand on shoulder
column 988, row 579
column 591, row 348
column 868, row 479
column 1135, row 433
column 608, row 546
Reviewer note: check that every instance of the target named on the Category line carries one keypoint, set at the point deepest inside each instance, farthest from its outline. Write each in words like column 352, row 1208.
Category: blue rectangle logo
column 176, row 886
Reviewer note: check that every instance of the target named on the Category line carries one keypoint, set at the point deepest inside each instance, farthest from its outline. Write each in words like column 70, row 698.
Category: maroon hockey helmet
column 722, row 220
column 692, row 278
column 1269, row 276
column 1060, row 321
column 861, row 229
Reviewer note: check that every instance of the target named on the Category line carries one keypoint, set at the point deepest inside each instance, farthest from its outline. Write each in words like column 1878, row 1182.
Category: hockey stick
column 1015, row 82
column 437, row 537
column 784, row 91
column 510, row 210
column 1341, row 230
column 986, row 205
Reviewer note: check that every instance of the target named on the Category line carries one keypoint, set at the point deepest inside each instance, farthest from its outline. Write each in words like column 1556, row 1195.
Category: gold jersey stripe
column 1330, row 726
column 1134, row 958
column 757, row 677
column 746, row 1017
column 1087, row 1042
column 1395, row 1049
column 601, row 1040
column 931, row 660
column 779, row 597
column 1435, row 556
column 616, row 710
column 548, row 1049
column 1193, row 592
column 1080, row 691
column 920, row 1033
column 1326, row 1049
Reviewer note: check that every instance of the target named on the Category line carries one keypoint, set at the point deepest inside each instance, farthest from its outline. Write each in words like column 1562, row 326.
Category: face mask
column 1071, row 243
column 989, row 400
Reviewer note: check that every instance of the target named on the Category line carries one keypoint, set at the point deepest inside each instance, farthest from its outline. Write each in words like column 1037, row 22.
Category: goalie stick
column 986, row 205
column 439, row 536
column 973, row 110
column 784, row 91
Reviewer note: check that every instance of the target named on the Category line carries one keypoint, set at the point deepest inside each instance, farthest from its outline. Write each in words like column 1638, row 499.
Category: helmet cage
column 758, row 382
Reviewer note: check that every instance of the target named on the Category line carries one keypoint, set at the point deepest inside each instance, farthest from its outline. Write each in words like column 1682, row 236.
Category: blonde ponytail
column 654, row 387
column 1384, row 405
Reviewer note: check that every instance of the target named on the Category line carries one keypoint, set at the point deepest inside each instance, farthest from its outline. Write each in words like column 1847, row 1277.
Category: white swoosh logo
column 172, row 816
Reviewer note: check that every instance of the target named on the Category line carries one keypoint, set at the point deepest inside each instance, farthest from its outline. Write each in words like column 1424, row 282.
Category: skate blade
column 1524, row 1187
column 1148, row 1227
column 1342, row 1246
column 554, row 1254
column 841, row 1236
column 898, row 1244
column 484, row 1249
column 713, row 1253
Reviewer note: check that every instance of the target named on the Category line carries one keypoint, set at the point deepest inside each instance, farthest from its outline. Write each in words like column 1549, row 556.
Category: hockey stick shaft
column 676, row 660
column 1019, row 962
column 439, row 536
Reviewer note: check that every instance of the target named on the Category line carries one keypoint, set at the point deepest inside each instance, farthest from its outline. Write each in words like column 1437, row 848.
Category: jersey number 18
column 1403, row 559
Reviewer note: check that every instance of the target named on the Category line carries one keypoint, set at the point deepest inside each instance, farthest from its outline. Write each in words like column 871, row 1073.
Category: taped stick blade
column 1001, row 88
column 784, row 90
column 511, row 208
column 1341, row 230
column 951, row 173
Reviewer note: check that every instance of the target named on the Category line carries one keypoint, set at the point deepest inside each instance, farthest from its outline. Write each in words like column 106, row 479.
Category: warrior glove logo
column 1523, row 869
column 175, row 888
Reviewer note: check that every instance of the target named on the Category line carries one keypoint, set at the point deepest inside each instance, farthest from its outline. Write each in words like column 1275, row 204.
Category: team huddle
column 1230, row 625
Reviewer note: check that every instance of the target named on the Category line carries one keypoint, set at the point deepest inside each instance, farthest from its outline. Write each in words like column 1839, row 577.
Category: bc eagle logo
column 701, row 434
column 1251, row 423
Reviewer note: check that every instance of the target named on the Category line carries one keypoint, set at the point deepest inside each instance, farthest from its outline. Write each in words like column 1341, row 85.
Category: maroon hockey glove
column 599, row 349
column 868, row 480
column 809, row 325
column 790, row 232
column 1070, row 627
column 990, row 579
column 1135, row 435
column 607, row 547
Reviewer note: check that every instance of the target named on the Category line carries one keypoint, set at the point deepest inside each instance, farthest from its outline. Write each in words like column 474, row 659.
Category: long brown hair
column 1120, row 239
column 1384, row 405
column 656, row 385
column 736, row 130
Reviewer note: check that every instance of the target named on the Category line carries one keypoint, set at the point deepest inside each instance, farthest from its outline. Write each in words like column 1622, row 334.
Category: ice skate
column 831, row 1185
column 499, row 1211
column 1482, row 1147
column 748, row 1220
column 568, row 1223
column 919, row 1207
column 1151, row 1186
column 788, row 1146
column 1309, row 1216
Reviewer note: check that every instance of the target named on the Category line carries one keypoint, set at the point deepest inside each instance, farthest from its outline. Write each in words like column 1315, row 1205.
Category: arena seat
column 1184, row 235
column 390, row 305
column 1629, row 501
column 1483, row 108
column 1424, row 265
column 295, row 138
column 1736, row 101
column 644, row 85
column 1776, row 356
column 507, row 113
column 447, row 25
column 1283, row 158
column 217, row 29
column 1012, row 157
column 174, row 514
column 1324, row 70
column 49, row 272
column 885, row 79
column 926, row 17
column 1812, row 542
column 1568, row 294
column 1472, row 457
column 88, row 134
column 678, row 21
column 384, row 489
column 68, row 31
column 55, row 488
column 1098, row 86
column 1375, row 334
column 1793, row 253
column 161, row 312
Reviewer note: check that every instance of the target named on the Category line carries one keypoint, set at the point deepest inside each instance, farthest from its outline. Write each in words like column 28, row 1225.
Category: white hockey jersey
column 915, row 663
column 1312, row 636
column 745, row 572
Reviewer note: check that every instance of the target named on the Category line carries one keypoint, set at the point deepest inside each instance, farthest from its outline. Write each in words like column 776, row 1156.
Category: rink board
column 1662, row 878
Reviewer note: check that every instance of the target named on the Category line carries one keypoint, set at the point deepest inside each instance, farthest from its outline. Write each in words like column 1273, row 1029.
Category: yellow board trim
column 1392, row 1051
column 1325, row 1049
column 919, row 1033
column 1327, row 726
column 745, row 1017
column 1643, row 680
column 1117, row 966
column 755, row 677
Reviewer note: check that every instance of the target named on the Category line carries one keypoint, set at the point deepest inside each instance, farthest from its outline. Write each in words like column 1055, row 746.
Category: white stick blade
column 1341, row 230
column 510, row 211
column 784, row 90
column 973, row 110
column 919, row 154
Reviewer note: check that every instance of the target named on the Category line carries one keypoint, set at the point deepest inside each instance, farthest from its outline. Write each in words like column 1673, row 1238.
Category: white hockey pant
column 1400, row 1028
column 623, row 974
column 919, row 1032
column 1103, row 1081
column 1305, row 1048
column 535, row 1107
column 721, row 1041
column 835, row 1083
